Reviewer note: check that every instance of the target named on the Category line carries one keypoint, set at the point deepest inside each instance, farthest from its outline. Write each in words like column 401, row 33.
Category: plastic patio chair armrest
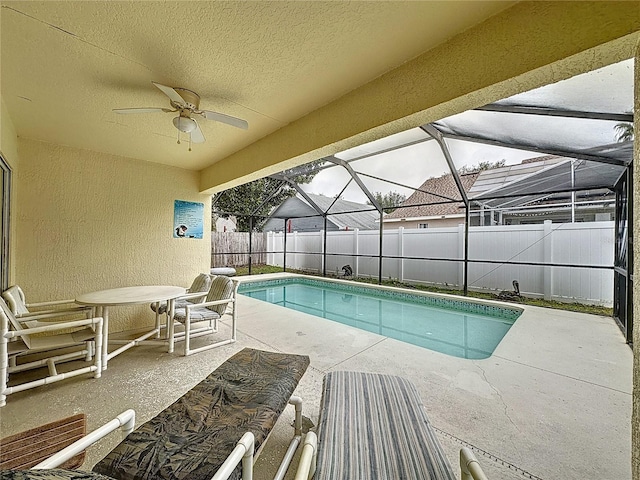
column 307, row 464
column 213, row 302
column 53, row 302
column 125, row 421
column 190, row 296
column 53, row 327
column 52, row 313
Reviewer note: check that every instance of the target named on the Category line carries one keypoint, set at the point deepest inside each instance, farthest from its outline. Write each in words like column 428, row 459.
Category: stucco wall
column 87, row 221
column 635, row 421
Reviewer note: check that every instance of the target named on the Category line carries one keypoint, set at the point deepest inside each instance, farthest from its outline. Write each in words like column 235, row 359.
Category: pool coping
column 450, row 300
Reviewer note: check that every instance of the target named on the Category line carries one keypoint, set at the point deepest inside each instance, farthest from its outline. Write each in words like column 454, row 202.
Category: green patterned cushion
column 191, row 438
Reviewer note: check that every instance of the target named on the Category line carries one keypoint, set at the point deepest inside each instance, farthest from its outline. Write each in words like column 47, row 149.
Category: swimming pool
column 444, row 324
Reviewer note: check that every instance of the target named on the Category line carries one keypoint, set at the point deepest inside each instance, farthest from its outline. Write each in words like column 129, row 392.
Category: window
column 5, row 198
column 423, row 225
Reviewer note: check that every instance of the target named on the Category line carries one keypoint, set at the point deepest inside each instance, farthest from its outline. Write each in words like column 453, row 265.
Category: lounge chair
column 222, row 294
column 19, row 338
column 374, row 426
column 221, row 422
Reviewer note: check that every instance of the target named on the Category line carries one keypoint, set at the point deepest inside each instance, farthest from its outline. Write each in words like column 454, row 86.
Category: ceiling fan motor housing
column 191, row 99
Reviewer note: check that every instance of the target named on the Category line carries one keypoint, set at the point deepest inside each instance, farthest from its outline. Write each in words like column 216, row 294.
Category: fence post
column 269, row 248
column 400, row 254
column 461, row 243
column 295, row 250
column 548, row 258
column 356, row 259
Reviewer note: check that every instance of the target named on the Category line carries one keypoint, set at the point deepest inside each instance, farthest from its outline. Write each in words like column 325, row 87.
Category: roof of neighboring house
column 499, row 177
column 439, row 187
column 473, row 183
column 355, row 215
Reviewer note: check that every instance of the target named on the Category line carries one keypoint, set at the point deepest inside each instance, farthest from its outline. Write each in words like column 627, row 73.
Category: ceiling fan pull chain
column 178, row 137
column 189, row 142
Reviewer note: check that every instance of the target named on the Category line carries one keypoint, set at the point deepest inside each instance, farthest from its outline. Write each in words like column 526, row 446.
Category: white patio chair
column 195, row 294
column 15, row 299
column 18, row 338
column 222, row 294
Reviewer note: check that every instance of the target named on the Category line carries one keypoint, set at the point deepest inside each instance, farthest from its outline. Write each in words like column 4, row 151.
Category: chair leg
column 187, row 336
column 90, row 350
column 4, row 363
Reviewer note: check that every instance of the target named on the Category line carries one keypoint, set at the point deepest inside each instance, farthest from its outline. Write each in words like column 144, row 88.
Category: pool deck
column 553, row 401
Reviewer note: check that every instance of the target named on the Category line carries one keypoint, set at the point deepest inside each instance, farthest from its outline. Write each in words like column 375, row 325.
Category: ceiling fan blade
column 228, row 119
column 141, row 110
column 196, row 135
column 171, row 93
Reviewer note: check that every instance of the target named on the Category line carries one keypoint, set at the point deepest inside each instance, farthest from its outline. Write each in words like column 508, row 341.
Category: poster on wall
column 188, row 219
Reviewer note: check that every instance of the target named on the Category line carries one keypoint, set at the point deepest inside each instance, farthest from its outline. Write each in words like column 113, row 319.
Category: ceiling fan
column 187, row 104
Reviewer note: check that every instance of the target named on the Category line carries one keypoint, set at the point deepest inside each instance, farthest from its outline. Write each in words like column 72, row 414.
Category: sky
column 609, row 89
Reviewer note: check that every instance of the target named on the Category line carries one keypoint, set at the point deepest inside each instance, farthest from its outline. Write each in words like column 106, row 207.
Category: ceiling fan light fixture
column 185, row 124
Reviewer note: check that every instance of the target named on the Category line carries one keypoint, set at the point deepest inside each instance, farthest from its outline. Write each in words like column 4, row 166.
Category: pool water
column 454, row 327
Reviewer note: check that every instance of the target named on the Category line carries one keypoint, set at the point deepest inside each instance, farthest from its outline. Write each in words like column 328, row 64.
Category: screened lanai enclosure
column 528, row 195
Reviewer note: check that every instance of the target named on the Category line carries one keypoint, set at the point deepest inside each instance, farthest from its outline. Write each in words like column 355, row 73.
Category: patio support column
column 324, row 246
column 381, row 234
column 250, row 242
column 634, row 226
column 437, row 136
column 372, row 200
column 284, row 246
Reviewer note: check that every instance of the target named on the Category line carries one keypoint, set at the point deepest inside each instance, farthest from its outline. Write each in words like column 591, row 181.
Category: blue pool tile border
column 459, row 305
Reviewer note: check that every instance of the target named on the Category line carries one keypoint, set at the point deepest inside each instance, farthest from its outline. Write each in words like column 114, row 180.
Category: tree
column 466, row 169
column 388, row 201
column 624, row 132
column 259, row 197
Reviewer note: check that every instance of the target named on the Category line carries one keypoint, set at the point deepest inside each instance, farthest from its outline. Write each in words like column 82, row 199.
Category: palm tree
column 624, row 132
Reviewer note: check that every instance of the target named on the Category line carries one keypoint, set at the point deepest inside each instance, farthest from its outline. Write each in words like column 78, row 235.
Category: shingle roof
column 357, row 215
column 444, row 186
column 473, row 183
column 364, row 220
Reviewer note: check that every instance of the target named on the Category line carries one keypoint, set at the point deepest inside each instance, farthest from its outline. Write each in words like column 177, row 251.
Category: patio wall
column 577, row 243
column 88, row 221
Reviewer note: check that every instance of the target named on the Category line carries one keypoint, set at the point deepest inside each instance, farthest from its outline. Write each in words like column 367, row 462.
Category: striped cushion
column 374, row 426
column 201, row 284
column 200, row 314
column 221, row 287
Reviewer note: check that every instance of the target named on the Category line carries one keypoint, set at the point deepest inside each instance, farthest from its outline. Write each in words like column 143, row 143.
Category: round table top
column 131, row 295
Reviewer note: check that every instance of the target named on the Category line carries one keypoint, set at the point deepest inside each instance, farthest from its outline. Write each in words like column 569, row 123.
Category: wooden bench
column 208, row 431
column 374, row 426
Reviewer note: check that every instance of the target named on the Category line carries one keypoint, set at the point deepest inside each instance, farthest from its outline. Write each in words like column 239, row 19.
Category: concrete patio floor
column 553, row 401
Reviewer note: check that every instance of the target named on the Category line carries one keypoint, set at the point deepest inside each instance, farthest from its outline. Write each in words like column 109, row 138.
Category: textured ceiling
column 65, row 65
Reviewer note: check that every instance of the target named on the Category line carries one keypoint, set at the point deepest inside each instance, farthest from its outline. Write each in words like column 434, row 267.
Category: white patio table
column 104, row 299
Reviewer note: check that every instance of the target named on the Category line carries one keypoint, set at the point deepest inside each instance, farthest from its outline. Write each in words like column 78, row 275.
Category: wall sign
column 188, row 219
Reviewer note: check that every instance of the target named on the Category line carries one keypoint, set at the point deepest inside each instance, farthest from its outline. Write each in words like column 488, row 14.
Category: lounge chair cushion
column 53, row 474
column 374, row 426
column 191, row 438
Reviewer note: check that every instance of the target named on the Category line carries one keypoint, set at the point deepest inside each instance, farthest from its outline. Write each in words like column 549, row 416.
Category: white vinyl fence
column 568, row 243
